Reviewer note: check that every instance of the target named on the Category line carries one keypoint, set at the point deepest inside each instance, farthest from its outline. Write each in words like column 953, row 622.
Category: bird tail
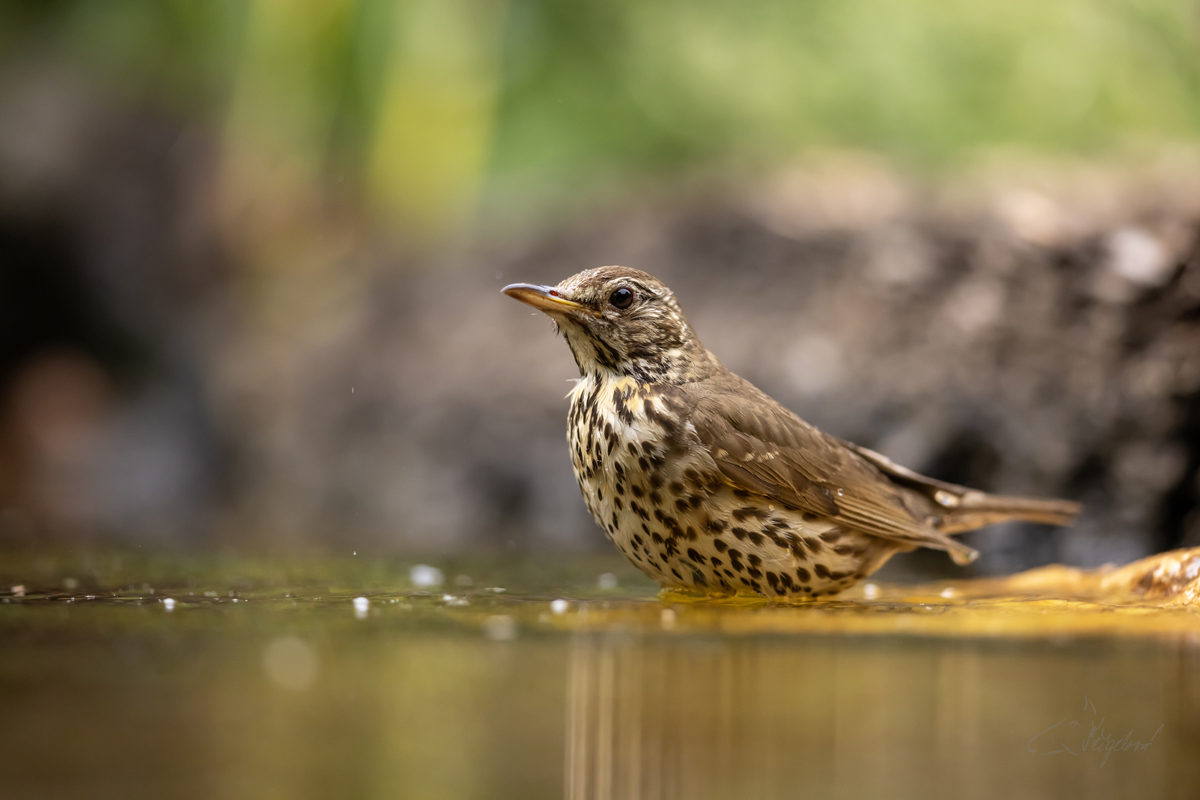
column 961, row 509
column 971, row 509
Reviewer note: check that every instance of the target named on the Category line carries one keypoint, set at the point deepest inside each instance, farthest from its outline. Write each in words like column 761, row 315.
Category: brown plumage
column 706, row 483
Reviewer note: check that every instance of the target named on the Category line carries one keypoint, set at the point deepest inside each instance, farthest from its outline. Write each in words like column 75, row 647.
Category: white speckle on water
column 355, row 552
column 559, row 606
column 607, row 581
column 500, row 628
column 169, row 603
column 948, row 592
column 451, row 600
column 18, row 590
column 290, row 662
column 667, row 617
column 497, row 590
column 361, row 605
column 424, row 576
column 870, row 591
column 235, row 599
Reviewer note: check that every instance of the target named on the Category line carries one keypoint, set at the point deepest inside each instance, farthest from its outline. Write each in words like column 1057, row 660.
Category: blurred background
column 251, row 253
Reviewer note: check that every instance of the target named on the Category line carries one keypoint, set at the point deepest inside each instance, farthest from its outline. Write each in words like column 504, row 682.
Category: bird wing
column 761, row 447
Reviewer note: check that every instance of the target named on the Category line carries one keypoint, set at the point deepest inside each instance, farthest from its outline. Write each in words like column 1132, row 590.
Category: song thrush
column 705, row 483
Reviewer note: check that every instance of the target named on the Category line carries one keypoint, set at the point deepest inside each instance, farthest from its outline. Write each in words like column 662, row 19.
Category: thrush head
column 622, row 321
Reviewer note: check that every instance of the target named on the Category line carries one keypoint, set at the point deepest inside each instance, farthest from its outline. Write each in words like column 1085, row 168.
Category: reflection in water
column 347, row 682
column 667, row 718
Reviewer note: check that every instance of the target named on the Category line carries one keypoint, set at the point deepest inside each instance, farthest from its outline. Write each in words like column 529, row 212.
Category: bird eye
column 622, row 298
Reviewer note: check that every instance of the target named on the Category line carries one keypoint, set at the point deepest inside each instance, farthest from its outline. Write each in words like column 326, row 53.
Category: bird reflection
column 679, row 717
column 688, row 719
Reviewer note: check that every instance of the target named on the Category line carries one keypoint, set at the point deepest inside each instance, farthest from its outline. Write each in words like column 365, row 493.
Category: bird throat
column 647, row 364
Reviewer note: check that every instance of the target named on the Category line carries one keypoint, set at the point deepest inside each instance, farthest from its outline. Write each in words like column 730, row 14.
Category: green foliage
column 648, row 82
column 586, row 91
column 180, row 52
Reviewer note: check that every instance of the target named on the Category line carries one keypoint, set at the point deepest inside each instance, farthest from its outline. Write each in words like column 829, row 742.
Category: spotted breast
column 661, row 499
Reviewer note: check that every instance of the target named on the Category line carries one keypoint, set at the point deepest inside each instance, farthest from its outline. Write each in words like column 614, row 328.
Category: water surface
column 268, row 678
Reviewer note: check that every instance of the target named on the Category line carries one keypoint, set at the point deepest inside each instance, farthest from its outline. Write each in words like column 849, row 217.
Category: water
column 340, row 678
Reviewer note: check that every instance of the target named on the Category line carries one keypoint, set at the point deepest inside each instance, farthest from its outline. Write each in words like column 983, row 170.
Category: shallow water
column 265, row 678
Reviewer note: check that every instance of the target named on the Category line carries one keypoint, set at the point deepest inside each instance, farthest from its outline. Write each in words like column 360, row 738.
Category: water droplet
column 945, row 498
column 870, row 591
column 361, row 605
column 841, row 492
column 424, row 576
column 607, row 581
column 964, row 557
column 169, row 604
column 559, row 606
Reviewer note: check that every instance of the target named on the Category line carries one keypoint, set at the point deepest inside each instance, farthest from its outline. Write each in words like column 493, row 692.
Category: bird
column 708, row 485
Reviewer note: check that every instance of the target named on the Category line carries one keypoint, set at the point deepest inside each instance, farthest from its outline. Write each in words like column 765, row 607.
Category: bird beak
column 544, row 298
